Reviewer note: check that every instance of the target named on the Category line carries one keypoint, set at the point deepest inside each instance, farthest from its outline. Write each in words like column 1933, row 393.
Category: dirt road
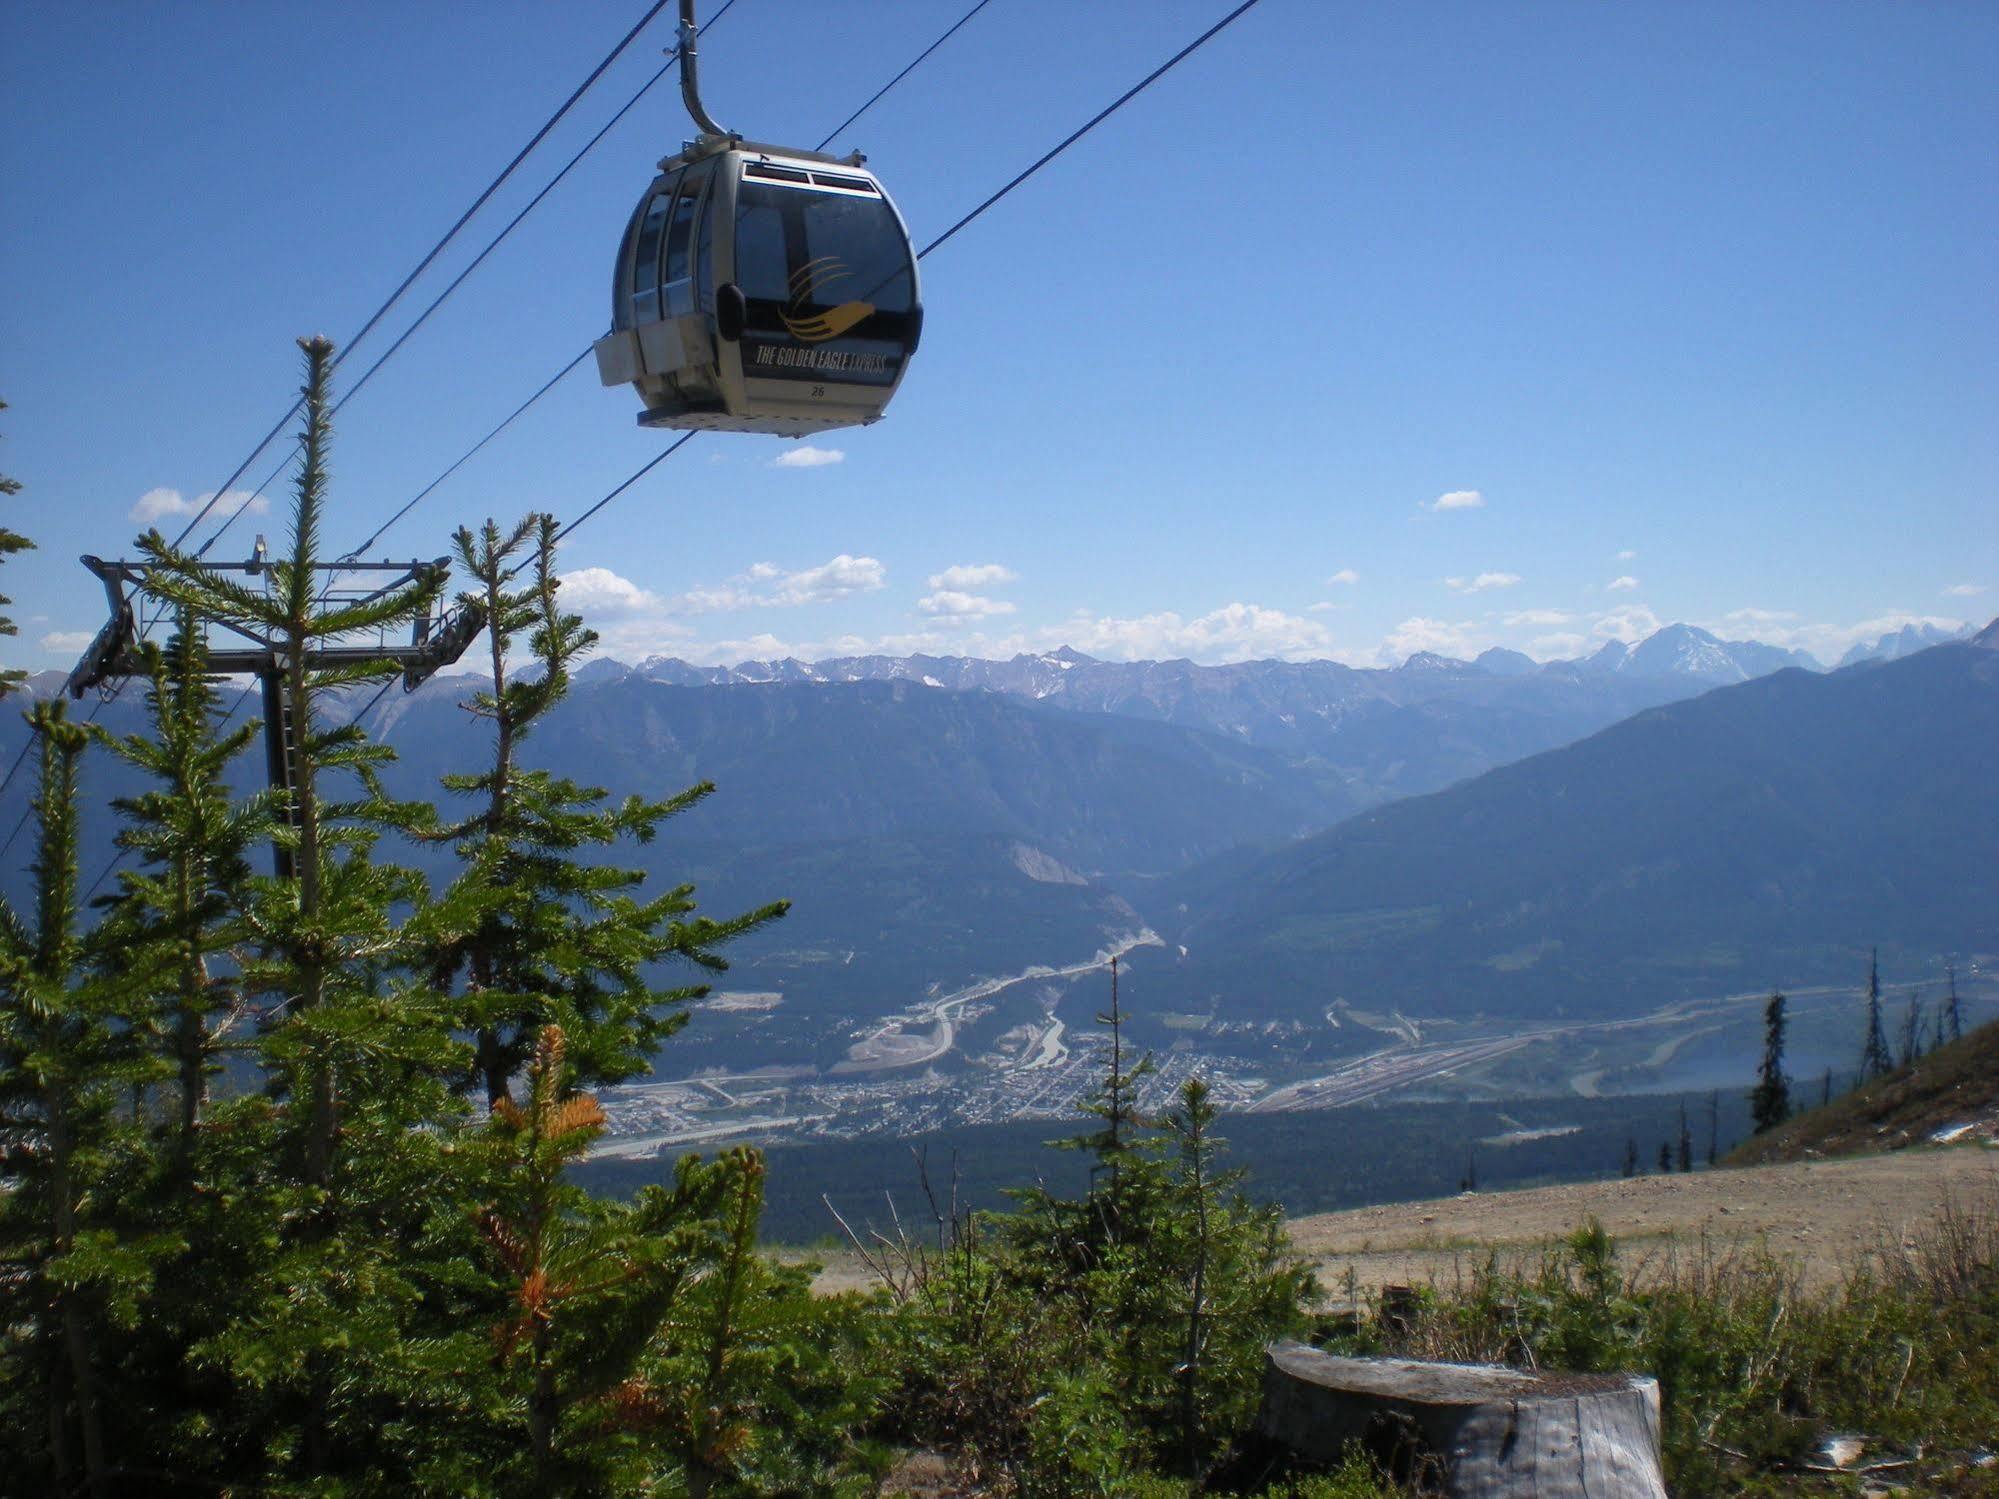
column 1826, row 1214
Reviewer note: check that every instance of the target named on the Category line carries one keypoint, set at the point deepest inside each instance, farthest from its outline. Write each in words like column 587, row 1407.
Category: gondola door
column 828, row 300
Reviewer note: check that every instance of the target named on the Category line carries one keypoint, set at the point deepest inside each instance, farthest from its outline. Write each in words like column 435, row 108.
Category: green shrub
column 1755, row 1365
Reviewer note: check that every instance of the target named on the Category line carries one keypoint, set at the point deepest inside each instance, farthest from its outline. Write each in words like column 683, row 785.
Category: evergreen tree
column 1234, row 1283
column 1874, row 1059
column 1116, row 1103
column 1631, row 1164
column 1713, row 1126
column 329, row 1339
column 588, row 1284
column 10, row 543
column 1770, row 1103
column 344, row 1282
column 70, row 1258
column 1951, row 1008
column 1912, row 1029
column 1171, row 1280
column 328, row 925
column 1686, row 1140
column 1125, row 1175
column 1665, row 1158
column 559, row 941
column 1825, row 1090
column 193, row 883
column 754, row 1385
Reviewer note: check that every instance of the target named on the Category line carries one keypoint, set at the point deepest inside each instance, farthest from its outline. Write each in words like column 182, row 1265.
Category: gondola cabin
column 762, row 289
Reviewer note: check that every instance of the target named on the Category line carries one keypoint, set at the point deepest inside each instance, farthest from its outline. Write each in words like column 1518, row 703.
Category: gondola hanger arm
column 690, row 81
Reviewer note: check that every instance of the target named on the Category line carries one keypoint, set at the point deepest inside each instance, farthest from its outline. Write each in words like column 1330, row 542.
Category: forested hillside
column 1762, row 834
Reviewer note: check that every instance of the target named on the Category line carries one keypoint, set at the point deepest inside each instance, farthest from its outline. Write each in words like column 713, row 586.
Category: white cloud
column 807, row 456
column 1739, row 619
column 1538, row 617
column 1621, row 585
column 973, row 575
column 765, row 646
column 1344, row 575
column 1557, row 647
column 1458, row 499
column 1964, row 590
column 1461, row 638
column 594, row 591
column 1324, row 606
column 1482, row 582
column 1235, row 632
column 948, row 603
column 635, row 622
column 714, row 598
column 843, row 576
column 1627, row 555
column 156, row 505
column 634, row 637
column 67, row 640
column 766, row 585
column 1630, row 624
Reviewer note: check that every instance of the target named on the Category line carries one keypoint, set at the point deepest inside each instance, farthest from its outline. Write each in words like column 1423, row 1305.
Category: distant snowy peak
column 1431, row 661
column 1678, row 651
column 1896, row 644
column 1690, row 651
column 1686, row 651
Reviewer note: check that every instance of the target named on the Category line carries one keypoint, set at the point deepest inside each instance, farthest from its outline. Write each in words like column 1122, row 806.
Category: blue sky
column 1370, row 329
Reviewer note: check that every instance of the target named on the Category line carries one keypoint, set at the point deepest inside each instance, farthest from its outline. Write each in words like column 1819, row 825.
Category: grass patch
column 1755, row 1367
column 1955, row 1084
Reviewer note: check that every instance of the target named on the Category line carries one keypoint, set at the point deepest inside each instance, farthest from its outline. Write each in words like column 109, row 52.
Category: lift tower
column 435, row 641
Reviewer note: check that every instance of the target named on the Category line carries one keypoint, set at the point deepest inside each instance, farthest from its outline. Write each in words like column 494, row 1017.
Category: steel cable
column 435, row 250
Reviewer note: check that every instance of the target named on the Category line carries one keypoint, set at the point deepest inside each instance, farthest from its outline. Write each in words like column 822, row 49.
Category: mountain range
column 1447, row 837
column 1906, row 641
column 1387, row 732
column 1759, row 835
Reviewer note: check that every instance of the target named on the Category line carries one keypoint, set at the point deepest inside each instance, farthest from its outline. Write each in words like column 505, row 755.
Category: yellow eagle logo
column 806, row 282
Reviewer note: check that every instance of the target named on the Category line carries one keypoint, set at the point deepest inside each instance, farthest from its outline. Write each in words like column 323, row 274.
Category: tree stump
column 1471, row 1429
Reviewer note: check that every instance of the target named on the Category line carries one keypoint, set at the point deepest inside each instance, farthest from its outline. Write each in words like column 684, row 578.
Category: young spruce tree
column 73, row 1263
column 558, row 941
column 588, row 1286
column 187, row 896
column 1227, row 1263
column 1770, row 1103
column 1170, row 1279
column 1874, row 1059
column 337, row 1344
